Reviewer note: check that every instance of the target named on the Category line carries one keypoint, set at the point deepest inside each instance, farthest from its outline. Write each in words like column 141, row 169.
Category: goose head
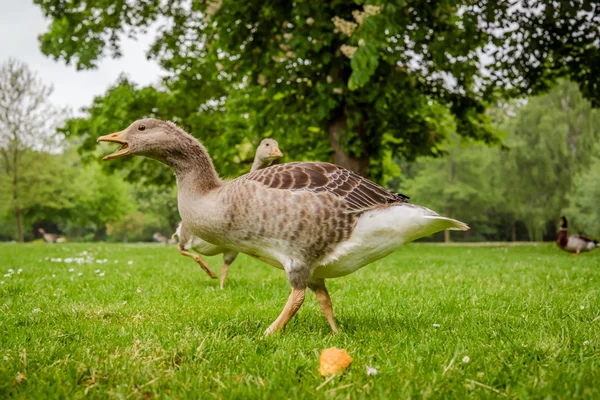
column 268, row 151
column 147, row 137
column 166, row 142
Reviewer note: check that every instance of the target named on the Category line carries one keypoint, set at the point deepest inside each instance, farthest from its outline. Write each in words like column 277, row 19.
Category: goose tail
column 440, row 223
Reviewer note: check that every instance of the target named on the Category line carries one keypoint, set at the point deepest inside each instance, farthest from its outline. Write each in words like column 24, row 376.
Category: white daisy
column 371, row 371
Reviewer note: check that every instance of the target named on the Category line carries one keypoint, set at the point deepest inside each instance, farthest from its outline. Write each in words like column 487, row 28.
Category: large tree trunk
column 337, row 129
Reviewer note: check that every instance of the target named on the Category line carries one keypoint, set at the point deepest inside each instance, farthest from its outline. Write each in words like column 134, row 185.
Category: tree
column 548, row 162
column 98, row 199
column 28, row 123
column 583, row 212
column 457, row 185
column 352, row 81
column 550, row 141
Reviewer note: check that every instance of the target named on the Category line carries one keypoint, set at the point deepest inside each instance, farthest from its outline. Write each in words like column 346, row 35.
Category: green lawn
column 153, row 325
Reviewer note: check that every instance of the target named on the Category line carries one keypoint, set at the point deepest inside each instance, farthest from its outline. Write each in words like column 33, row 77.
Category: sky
column 21, row 22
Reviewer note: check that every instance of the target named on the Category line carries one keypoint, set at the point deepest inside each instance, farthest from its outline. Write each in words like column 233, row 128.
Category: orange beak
column 117, row 137
column 276, row 152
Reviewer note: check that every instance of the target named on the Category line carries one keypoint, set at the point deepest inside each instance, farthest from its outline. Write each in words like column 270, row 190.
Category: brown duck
column 313, row 220
column 573, row 243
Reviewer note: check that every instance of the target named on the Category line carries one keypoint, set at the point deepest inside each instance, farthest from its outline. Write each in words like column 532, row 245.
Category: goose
column 160, row 238
column 573, row 243
column 266, row 153
column 51, row 237
column 314, row 220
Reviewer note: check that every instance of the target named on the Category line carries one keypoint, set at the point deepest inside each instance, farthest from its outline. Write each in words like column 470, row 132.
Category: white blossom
column 372, row 10
column 213, row 6
column 348, row 51
column 359, row 16
column 346, row 27
column 371, row 371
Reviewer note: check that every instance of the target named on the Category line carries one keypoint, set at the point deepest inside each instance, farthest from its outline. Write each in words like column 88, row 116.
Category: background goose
column 51, row 237
column 313, row 220
column 267, row 152
column 160, row 238
column 573, row 243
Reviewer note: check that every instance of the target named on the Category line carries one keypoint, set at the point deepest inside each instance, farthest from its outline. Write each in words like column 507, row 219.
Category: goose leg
column 298, row 275
column 200, row 261
column 184, row 237
column 293, row 304
column 223, row 275
column 318, row 286
column 228, row 258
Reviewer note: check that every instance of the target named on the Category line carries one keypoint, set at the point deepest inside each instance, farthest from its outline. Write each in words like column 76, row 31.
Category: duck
column 51, row 237
column 266, row 153
column 313, row 220
column 575, row 244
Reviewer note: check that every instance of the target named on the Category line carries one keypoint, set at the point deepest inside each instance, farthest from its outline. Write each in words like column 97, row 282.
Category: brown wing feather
column 359, row 194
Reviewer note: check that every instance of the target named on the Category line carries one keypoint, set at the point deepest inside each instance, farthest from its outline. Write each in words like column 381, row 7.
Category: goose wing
column 359, row 194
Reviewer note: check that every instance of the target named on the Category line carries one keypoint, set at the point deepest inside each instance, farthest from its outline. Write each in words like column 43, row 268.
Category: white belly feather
column 380, row 232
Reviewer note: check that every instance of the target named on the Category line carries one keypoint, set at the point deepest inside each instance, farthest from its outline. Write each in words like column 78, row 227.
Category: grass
column 527, row 318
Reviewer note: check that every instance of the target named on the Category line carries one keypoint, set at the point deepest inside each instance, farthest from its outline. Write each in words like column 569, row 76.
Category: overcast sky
column 20, row 24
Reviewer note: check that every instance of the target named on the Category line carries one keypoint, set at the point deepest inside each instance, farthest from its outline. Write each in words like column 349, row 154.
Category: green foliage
column 457, row 185
column 584, row 210
column 27, row 125
column 156, row 211
column 57, row 189
column 546, row 163
column 295, row 71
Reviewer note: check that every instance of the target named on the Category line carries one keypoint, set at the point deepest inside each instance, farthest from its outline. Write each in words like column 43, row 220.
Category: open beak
column 276, row 153
column 117, row 137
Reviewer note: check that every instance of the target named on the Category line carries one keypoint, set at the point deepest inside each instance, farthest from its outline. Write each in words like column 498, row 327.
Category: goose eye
column 141, row 127
column 267, row 144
